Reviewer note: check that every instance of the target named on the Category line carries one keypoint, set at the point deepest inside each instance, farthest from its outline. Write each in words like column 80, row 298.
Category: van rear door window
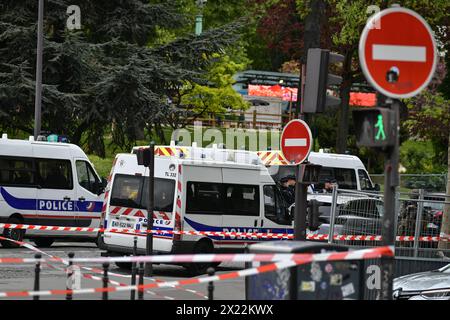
column 164, row 191
column 126, row 191
column 131, row 192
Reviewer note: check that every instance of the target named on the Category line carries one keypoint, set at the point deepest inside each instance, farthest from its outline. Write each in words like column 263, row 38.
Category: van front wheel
column 13, row 234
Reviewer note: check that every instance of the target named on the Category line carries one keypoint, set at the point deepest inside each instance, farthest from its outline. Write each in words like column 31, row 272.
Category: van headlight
column 439, row 294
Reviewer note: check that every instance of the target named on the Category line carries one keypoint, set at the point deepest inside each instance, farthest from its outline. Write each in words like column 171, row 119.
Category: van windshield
column 345, row 178
column 132, row 192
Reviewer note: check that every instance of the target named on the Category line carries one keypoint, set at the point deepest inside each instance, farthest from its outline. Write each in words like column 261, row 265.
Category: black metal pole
column 105, row 280
column 70, row 276
column 134, row 269
column 141, row 281
column 39, row 54
column 391, row 181
column 211, row 271
column 150, row 208
column 37, row 271
column 300, row 208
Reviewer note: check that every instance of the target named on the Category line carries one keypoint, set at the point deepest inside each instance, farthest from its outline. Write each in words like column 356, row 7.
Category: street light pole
column 38, row 96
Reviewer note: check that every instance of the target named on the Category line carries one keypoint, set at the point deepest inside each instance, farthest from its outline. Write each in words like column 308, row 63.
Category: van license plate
column 123, row 224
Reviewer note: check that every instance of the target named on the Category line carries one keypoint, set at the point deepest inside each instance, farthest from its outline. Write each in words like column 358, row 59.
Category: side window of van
column 204, row 198
column 270, row 204
column 17, row 172
column 86, row 176
column 274, row 205
column 54, row 174
column 364, row 180
column 241, row 200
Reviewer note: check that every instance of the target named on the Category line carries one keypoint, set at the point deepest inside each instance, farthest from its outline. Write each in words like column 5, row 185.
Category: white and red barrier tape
column 94, row 270
column 305, row 258
column 257, row 235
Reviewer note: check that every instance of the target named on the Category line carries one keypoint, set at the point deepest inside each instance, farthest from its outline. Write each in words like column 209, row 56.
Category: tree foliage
column 116, row 71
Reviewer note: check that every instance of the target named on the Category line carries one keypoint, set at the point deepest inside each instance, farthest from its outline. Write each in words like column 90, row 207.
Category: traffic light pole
column 391, row 181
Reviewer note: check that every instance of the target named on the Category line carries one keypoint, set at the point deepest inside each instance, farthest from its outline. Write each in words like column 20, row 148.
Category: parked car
column 355, row 215
column 429, row 285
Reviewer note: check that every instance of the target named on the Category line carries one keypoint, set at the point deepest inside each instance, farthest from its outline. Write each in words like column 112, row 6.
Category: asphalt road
column 21, row 276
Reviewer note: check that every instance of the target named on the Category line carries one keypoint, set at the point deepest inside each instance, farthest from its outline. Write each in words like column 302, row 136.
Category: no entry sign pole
column 296, row 142
column 398, row 56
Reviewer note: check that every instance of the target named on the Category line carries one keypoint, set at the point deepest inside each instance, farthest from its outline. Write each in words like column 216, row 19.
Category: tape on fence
column 307, row 258
column 258, row 235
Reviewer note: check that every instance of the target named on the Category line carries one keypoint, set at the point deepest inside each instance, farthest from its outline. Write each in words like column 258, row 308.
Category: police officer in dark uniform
column 287, row 188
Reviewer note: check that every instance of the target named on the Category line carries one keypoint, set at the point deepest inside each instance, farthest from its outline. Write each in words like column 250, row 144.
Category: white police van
column 196, row 189
column 51, row 184
column 347, row 171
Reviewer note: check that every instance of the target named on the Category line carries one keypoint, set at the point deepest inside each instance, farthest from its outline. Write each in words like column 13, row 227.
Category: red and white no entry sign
column 296, row 141
column 400, row 42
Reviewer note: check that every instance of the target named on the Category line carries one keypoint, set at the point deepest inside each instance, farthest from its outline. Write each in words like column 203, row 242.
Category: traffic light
column 375, row 127
column 318, row 79
column 143, row 157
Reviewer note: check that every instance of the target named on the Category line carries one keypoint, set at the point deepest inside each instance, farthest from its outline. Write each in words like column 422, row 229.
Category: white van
column 347, row 170
column 196, row 189
column 51, row 184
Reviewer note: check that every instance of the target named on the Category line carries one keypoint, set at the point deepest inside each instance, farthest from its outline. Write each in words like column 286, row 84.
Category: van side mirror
column 377, row 187
column 100, row 186
column 104, row 183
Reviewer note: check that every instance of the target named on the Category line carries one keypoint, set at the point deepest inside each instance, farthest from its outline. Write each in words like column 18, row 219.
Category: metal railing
column 418, row 222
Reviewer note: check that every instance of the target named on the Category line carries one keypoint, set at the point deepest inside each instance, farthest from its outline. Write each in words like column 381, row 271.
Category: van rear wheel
column 43, row 242
column 195, row 269
column 14, row 234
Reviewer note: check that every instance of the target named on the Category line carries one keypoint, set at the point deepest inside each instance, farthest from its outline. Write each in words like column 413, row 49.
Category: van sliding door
column 241, row 205
column 203, row 199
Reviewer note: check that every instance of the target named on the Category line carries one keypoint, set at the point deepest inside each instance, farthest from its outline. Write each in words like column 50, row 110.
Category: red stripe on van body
column 127, row 211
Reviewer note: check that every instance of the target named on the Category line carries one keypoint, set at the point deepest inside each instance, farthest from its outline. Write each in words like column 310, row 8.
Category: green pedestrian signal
column 380, row 135
column 375, row 127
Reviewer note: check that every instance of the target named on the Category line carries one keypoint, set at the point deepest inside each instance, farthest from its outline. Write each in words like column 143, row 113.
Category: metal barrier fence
column 418, row 223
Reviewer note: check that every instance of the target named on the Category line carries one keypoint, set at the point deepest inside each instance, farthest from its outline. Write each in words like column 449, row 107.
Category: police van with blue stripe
column 51, row 184
column 196, row 189
column 201, row 189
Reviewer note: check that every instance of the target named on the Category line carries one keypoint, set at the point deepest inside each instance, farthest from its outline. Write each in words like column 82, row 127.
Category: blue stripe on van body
column 50, row 205
column 203, row 227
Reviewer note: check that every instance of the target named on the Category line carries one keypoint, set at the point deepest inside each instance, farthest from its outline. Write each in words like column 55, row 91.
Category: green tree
column 218, row 95
column 118, row 71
